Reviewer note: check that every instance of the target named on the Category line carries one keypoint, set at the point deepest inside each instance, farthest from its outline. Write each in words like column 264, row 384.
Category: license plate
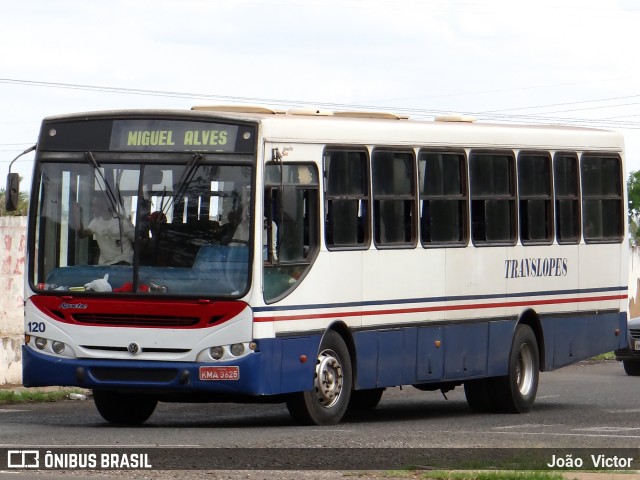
column 219, row 373
column 636, row 345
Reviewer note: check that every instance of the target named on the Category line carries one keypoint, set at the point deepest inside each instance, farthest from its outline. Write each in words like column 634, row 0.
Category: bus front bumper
column 243, row 377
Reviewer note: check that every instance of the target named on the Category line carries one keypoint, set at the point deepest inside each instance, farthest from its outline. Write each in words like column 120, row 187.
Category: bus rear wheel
column 124, row 408
column 516, row 392
column 327, row 403
column 362, row 400
column 478, row 394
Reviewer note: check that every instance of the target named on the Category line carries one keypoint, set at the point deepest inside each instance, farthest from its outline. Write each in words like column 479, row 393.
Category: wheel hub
column 329, row 379
column 524, row 370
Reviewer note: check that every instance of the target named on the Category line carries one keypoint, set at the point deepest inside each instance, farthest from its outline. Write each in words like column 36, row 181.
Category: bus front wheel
column 123, row 408
column 327, row 403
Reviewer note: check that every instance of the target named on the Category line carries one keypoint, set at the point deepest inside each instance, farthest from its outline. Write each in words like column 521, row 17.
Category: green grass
column 471, row 475
column 604, row 356
column 10, row 397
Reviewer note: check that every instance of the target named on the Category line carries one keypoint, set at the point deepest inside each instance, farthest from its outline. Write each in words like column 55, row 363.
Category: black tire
column 478, row 393
column 362, row 400
column 124, row 408
column 327, row 403
column 631, row 367
column 516, row 392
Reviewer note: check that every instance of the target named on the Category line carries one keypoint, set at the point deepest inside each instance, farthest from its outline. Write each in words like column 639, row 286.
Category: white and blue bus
column 316, row 257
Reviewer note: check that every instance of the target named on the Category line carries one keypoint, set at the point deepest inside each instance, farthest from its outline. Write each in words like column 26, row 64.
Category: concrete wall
column 13, row 238
column 634, row 282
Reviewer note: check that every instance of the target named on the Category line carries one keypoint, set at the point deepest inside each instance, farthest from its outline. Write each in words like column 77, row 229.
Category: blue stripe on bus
column 278, row 308
column 453, row 352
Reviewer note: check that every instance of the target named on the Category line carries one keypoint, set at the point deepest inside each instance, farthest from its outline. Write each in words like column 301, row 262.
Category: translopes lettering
column 536, row 267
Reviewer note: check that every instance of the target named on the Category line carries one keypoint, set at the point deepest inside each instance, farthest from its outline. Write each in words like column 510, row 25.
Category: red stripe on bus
column 470, row 306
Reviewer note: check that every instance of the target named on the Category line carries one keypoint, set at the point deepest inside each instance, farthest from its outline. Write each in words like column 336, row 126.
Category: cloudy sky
column 571, row 62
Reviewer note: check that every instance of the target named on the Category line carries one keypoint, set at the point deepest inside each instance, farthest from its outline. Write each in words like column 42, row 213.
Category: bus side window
column 567, row 192
column 346, row 199
column 394, row 201
column 443, row 198
column 493, row 198
column 293, row 203
column 602, row 198
column 534, row 189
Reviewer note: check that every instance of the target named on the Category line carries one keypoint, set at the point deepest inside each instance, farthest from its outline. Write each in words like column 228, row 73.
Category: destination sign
column 140, row 134
column 170, row 135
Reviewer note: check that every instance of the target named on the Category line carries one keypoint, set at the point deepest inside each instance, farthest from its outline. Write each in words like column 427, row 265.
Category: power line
column 416, row 112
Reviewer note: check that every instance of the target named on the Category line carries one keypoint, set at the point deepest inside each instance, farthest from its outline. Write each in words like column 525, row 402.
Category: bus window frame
column 512, row 198
column 619, row 197
column 463, row 196
column 413, row 242
column 577, row 198
column 308, row 263
column 34, row 268
column 522, row 154
column 367, row 197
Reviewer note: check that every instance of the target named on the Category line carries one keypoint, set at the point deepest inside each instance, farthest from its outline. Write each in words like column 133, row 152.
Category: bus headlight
column 237, row 349
column 58, row 347
column 216, row 352
column 41, row 343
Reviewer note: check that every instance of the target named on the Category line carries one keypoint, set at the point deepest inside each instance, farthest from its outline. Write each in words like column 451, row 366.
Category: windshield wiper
column 185, row 179
column 111, row 197
column 107, row 188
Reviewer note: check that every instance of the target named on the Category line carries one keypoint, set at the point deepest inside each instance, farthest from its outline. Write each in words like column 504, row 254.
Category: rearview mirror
column 12, row 193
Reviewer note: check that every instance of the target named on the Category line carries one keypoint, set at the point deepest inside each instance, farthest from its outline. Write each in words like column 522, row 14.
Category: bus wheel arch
column 530, row 317
column 516, row 391
column 343, row 330
column 327, row 402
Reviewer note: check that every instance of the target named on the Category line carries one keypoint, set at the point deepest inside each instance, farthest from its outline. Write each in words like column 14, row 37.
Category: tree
column 633, row 193
column 23, row 205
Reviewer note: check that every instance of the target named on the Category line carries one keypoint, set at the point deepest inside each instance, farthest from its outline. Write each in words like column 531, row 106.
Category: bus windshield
column 178, row 228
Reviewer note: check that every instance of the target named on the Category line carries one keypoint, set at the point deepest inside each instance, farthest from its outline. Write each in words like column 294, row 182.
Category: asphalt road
column 581, row 406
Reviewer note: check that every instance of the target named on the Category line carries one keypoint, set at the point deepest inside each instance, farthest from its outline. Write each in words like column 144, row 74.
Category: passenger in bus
column 270, row 244
column 229, row 231
column 113, row 233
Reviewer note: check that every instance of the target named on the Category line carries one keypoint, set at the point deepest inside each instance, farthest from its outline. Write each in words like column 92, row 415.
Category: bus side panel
column 366, row 344
column 431, row 354
column 500, row 339
column 430, row 361
column 466, row 347
column 391, row 354
column 298, row 363
column 572, row 339
column 386, row 357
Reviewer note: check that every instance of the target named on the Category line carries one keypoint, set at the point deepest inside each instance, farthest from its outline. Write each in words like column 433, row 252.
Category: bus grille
column 135, row 320
column 110, row 348
column 151, row 375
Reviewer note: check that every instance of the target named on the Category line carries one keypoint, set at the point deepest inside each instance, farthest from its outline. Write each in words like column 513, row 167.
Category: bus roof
column 374, row 128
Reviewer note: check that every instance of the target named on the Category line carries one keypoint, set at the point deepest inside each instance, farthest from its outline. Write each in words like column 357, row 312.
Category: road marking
column 567, row 434
column 528, row 425
column 11, row 410
column 607, row 429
